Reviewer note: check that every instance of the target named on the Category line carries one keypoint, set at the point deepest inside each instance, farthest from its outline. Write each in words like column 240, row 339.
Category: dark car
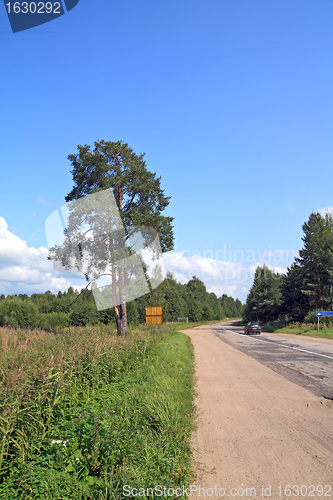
column 252, row 328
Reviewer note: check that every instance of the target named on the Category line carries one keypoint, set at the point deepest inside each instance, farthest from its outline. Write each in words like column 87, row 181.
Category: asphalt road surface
column 259, row 434
column 307, row 361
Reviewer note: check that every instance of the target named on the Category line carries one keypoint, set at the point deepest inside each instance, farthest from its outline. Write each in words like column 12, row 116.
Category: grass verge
column 88, row 415
column 309, row 330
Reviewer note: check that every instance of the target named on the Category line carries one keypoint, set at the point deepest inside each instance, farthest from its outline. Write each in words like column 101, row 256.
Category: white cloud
column 26, row 269
column 324, row 211
column 223, row 276
column 219, row 276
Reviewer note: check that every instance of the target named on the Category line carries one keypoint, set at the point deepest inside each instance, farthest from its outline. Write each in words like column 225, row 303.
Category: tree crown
column 137, row 191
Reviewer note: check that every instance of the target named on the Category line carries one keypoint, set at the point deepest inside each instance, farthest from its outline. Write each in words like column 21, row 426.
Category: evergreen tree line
column 50, row 311
column 306, row 287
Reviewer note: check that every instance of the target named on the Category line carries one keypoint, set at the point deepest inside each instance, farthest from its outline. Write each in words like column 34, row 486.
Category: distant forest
column 50, row 311
column 305, row 288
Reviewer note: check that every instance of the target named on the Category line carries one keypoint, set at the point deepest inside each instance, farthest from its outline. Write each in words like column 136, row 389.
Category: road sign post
column 323, row 313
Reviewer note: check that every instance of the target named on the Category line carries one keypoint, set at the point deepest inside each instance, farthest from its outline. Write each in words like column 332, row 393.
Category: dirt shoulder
column 257, row 432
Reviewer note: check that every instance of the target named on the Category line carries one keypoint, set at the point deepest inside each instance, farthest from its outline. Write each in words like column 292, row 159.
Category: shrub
column 53, row 320
column 312, row 318
column 272, row 326
column 132, row 313
column 18, row 312
column 83, row 314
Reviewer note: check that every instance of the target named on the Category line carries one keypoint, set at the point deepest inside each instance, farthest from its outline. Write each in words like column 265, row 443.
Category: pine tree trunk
column 122, row 323
column 121, row 319
column 121, row 316
column 120, row 312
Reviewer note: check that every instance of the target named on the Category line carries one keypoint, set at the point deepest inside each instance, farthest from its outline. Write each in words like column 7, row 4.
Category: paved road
column 306, row 361
column 258, row 434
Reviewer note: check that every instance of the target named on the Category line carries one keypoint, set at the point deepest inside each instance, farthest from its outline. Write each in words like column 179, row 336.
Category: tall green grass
column 84, row 413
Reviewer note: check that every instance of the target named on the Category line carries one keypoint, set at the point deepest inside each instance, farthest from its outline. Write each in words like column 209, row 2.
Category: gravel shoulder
column 257, row 432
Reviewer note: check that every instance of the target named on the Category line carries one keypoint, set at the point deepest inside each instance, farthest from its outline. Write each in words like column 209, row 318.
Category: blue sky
column 230, row 100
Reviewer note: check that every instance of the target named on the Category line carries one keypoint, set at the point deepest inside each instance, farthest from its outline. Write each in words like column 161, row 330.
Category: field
column 84, row 413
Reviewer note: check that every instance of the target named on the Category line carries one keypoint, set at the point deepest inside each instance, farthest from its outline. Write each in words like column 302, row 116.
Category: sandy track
column 256, row 429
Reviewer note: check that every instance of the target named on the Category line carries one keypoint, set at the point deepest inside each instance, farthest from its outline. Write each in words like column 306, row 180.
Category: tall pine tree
column 264, row 298
column 308, row 283
column 139, row 196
